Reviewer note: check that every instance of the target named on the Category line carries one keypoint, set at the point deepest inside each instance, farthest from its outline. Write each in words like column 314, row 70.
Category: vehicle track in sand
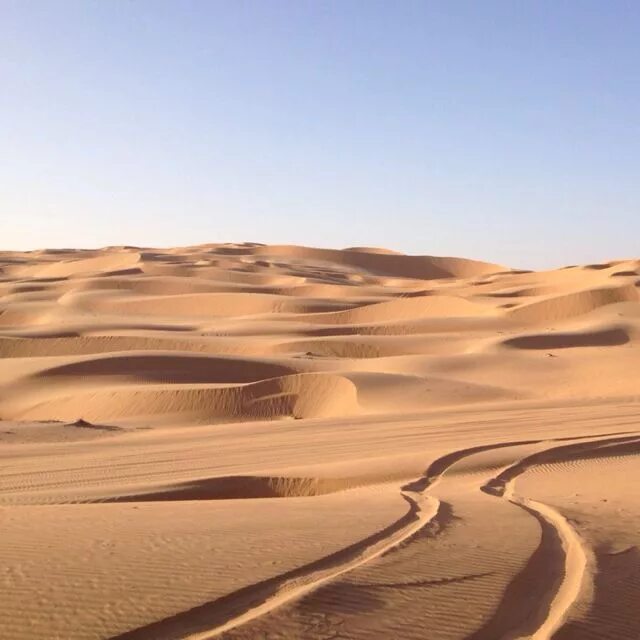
column 568, row 584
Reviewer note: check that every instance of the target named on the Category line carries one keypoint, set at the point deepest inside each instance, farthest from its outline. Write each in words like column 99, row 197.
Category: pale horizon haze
column 499, row 131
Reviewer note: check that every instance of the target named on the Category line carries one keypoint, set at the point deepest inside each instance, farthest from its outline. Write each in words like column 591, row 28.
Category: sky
column 497, row 130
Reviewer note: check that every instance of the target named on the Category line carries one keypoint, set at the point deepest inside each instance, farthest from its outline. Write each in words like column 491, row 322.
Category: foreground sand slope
column 250, row 441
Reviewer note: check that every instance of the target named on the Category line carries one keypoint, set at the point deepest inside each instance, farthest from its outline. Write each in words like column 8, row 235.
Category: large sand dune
column 251, row 441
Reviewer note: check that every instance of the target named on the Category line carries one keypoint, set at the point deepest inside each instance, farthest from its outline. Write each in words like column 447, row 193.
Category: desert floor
column 249, row 441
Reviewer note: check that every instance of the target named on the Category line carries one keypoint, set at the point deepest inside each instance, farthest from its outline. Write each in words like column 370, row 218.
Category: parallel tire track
column 216, row 617
column 577, row 573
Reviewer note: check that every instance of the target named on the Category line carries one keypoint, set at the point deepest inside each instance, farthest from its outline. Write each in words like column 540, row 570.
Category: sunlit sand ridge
column 250, row 441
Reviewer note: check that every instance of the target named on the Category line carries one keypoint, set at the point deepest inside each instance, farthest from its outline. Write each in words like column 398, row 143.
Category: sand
column 251, row 441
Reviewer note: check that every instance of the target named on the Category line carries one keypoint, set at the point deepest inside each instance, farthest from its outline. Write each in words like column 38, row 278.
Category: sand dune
column 575, row 304
column 603, row 338
column 254, row 441
column 403, row 309
column 295, row 396
column 57, row 345
column 169, row 368
column 106, row 264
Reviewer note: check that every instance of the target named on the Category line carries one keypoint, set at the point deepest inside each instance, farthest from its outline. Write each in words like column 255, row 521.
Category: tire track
column 216, row 617
column 559, row 540
column 211, row 619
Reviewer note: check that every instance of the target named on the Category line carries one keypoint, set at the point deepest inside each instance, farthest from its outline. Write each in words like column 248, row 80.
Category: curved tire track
column 214, row 618
column 573, row 582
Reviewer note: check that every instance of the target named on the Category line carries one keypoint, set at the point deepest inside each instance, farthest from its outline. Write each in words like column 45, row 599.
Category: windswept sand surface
column 248, row 441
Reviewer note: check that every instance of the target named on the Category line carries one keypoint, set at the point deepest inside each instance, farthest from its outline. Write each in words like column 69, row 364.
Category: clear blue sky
column 507, row 131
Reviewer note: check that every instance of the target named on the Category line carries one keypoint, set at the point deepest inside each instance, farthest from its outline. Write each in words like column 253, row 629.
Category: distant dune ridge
column 249, row 441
